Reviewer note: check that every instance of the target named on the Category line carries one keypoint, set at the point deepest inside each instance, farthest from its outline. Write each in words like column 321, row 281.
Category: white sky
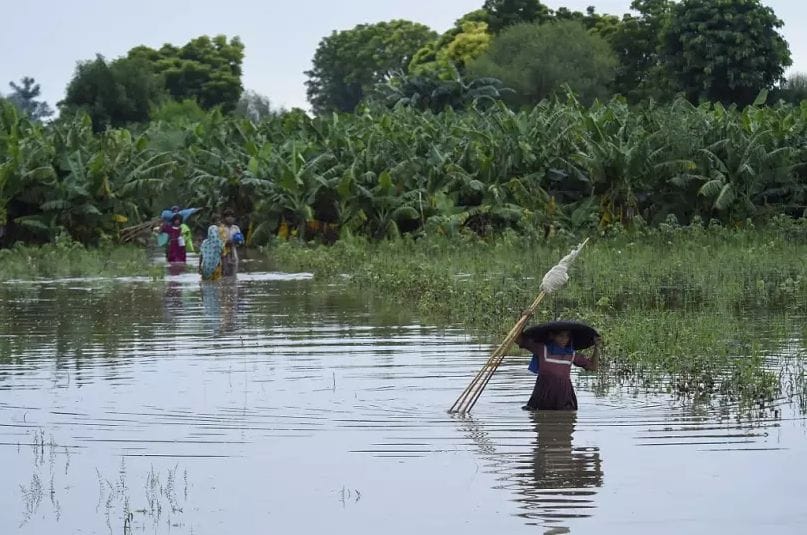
column 45, row 39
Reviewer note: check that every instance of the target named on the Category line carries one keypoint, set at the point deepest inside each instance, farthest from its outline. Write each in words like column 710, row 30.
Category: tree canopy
column 24, row 96
column 205, row 69
column 113, row 93
column 504, row 13
column 724, row 50
column 451, row 52
column 538, row 60
column 348, row 64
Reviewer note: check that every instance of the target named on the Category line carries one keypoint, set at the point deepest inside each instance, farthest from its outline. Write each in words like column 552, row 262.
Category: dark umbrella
column 581, row 334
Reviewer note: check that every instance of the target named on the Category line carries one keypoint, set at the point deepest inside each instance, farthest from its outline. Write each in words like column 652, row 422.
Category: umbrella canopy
column 581, row 334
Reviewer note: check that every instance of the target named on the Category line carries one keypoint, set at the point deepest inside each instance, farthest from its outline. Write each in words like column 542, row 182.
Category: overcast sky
column 45, row 39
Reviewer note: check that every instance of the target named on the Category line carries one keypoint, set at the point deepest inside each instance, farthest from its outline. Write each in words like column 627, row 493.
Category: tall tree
column 538, row 60
column 113, row 94
column 24, row 97
column 449, row 54
column 205, row 69
column 504, row 13
column 348, row 64
column 636, row 41
column 724, row 50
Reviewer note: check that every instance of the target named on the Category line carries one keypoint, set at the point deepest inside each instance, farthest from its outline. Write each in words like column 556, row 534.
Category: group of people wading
column 218, row 253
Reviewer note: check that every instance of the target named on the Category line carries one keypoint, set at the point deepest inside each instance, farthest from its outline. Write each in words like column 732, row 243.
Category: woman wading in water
column 552, row 360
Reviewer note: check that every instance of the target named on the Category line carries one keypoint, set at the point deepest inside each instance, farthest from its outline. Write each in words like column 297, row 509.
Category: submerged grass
column 70, row 259
column 694, row 308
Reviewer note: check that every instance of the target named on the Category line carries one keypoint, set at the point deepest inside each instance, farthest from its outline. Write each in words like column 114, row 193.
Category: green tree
column 636, row 41
column 113, row 94
column 447, row 55
column 537, row 61
column 452, row 51
column 793, row 90
column 724, row 50
column 348, row 64
column 593, row 21
column 24, row 97
column 205, row 69
column 504, row 13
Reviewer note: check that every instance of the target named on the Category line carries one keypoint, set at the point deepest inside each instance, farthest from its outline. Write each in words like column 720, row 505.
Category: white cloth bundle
column 556, row 277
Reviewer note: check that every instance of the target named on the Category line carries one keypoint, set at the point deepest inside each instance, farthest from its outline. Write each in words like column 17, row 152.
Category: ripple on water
column 271, row 396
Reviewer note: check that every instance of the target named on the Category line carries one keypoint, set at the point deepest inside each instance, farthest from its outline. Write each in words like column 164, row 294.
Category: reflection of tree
column 555, row 481
column 76, row 322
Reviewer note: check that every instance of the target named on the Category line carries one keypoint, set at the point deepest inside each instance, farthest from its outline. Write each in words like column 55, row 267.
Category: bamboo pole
column 554, row 279
column 472, row 392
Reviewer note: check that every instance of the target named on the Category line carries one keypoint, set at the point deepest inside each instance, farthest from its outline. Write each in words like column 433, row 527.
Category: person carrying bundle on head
column 168, row 215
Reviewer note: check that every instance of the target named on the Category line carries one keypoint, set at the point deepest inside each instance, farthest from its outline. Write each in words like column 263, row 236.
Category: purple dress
column 175, row 251
column 553, row 389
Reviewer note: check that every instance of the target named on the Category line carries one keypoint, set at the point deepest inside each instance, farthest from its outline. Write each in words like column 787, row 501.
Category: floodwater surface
column 276, row 404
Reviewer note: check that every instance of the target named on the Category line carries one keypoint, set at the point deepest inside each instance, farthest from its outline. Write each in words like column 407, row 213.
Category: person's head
column 213, row 232
column 228, row 216
column 560, row 338
column 175, row 209
column 176, row 220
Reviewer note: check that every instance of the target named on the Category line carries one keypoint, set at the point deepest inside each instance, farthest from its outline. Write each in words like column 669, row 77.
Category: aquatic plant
column 686, row 304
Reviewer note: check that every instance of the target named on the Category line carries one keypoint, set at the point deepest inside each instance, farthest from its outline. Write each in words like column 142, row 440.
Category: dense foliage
column 714, row 50
column 673, row 302
column 724, row 50
column 126, row 90
column 379, row 173
column 348, row 64
column 534, row 61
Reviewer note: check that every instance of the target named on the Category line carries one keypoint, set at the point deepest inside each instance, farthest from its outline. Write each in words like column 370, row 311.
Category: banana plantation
column 380, row 173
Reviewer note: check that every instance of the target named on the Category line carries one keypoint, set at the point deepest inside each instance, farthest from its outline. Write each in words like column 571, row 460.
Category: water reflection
column 554, row 481
column 137, row 379
column 561, row 478
column 220, row 304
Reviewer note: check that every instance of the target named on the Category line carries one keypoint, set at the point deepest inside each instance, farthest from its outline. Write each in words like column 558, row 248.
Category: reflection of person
column 220, row 303
column 554, row 480
column 553, row 388
column 173, row 300
column 175, row 248
column 229, row 306
column 210, row 254
column 561, row 473
column 231, row 236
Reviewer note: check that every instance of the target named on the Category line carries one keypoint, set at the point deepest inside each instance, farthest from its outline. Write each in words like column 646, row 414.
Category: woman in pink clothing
column 175, row 250
column 553, row 389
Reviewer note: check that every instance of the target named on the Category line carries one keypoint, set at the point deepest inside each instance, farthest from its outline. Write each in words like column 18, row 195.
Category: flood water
column 276, row 404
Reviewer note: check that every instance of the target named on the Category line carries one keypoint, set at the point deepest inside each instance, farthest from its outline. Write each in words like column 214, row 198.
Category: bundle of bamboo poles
column 130, row 233
column 554, row 279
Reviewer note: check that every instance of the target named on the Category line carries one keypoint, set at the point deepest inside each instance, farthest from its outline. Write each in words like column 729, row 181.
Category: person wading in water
column 553, row 388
